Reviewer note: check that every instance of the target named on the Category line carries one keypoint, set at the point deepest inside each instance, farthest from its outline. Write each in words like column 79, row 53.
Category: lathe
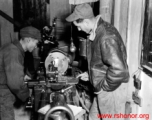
column 55, row 83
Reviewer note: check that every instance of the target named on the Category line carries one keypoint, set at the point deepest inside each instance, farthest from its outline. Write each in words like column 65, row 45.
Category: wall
column 129, row 20
column 146, row 95
column 121, row 17
column 134, row 38
column 106, row 7
column 6, row 28
column 59, row 8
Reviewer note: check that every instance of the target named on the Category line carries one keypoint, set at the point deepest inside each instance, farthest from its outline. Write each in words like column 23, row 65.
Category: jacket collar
column 19, row 46
column 100, row 21
column 93, row 32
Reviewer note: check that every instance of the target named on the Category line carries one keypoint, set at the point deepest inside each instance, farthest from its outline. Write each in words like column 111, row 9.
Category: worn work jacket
column 106, row 56
column 12, row 70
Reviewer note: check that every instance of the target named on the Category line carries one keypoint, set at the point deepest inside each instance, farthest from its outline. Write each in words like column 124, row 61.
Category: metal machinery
column 55, row 84
column 55, row 81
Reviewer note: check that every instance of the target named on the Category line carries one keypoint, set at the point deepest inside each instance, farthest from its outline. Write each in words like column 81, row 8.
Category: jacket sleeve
column 15, row 74
column 114, row 57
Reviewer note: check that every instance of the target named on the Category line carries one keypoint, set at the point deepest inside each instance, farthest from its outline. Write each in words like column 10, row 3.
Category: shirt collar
column 93, row 32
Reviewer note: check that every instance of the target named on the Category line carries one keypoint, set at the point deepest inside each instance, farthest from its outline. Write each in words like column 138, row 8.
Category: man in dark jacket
column 12, row 70
column 107, row 66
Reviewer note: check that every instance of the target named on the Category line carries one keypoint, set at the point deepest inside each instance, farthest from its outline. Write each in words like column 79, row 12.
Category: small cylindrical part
column 82, row 46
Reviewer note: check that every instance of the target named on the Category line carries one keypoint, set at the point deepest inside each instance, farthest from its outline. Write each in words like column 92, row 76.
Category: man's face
column 83, row 26
column 32, row 44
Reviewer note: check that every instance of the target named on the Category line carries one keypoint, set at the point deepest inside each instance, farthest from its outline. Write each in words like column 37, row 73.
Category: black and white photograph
column 75, row 59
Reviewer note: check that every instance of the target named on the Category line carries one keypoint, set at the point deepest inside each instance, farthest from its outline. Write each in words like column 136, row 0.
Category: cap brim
column 72, row 17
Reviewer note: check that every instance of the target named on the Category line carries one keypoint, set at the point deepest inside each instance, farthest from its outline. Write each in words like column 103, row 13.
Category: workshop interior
column 55, row 91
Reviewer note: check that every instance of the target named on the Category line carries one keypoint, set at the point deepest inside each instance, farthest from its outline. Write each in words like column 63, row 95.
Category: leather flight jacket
column 106, row 55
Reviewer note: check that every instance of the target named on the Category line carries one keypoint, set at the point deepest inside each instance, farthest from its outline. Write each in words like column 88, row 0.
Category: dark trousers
column 7, row 100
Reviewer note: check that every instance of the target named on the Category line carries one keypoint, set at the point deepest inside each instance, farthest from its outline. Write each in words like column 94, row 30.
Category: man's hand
column 26, row 78
column 84, row 76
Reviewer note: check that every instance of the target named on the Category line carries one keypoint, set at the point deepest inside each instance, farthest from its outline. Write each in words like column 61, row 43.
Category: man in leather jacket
column 12, row 70
column 107, row 65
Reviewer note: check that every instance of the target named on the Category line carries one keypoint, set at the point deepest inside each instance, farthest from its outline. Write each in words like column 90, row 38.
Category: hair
column 79, row 20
